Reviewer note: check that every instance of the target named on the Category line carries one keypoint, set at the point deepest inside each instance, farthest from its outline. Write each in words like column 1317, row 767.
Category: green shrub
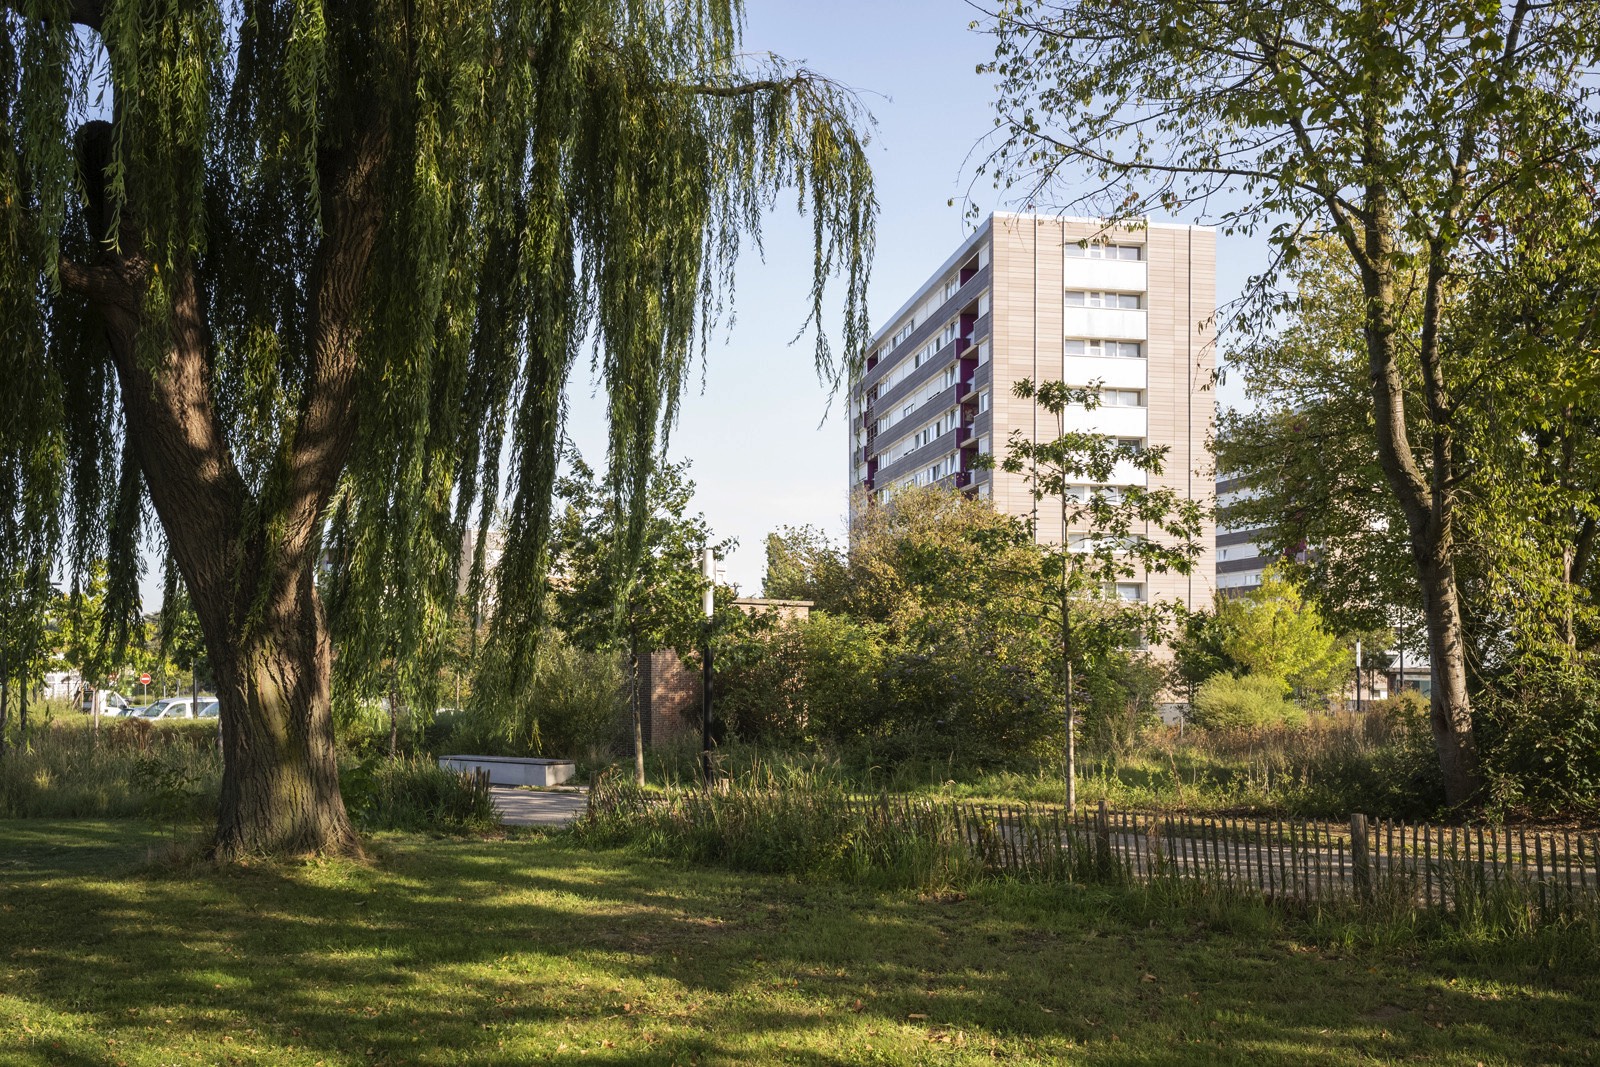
column 412, row 793
column 1249, row 702
column 575, row 701
column 1542, row 742
column 1122, row 694
column 961, row 701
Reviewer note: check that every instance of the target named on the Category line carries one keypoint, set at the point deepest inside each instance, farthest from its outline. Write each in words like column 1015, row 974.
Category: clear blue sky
column 762, row 454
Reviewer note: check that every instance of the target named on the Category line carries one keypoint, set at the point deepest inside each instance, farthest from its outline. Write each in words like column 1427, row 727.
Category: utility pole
column 1358, row 677
column 709, row 564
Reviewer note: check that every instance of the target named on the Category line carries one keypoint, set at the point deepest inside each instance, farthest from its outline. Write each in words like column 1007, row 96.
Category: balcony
column 965, row 438
column 1122, row 276
column 1124, row 323
column 967, row 371
column 962, row 479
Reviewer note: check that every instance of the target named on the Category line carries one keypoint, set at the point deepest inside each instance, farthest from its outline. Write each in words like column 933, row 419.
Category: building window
column 1081, row 346
column 983, row 401
column 901, row 334
column 1102, row 250
column 1132, row 592
column 1125, row 301
column 1109, row 494
column 1122, row 398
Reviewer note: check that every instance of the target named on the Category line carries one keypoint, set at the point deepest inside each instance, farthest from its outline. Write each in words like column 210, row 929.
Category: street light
column 1358, row 677
column 708, row 562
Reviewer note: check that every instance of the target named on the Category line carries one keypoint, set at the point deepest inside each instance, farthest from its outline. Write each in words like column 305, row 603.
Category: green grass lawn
column 531, row 949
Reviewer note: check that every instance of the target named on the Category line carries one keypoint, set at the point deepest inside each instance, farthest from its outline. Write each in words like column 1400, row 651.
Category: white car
column 170, row 708
column 209, row 709
column 112, row 703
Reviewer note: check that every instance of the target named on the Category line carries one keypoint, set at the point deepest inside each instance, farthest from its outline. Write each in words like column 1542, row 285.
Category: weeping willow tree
column 304, row 280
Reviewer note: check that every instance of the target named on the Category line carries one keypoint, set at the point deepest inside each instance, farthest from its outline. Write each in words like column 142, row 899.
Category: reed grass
column 1408, row 880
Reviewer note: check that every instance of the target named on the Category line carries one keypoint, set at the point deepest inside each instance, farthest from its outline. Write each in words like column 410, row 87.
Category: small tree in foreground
column 601, row 601
column 1109, row 535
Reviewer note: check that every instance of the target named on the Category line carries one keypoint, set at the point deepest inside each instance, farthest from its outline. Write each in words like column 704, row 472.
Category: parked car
column 171, row 708
column 112, row 703
column 209, row 709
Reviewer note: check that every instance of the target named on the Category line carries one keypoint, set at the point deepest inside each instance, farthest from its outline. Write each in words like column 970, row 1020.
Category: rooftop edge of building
column 965, row 249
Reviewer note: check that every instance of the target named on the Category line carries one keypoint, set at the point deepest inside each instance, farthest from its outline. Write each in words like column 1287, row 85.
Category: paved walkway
column 529, row 807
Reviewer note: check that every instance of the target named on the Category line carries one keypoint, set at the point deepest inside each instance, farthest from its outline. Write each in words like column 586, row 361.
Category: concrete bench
column 512, row 770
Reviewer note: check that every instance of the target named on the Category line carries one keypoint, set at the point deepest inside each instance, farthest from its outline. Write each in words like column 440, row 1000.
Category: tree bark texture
column 281, row 790
column 248, row 558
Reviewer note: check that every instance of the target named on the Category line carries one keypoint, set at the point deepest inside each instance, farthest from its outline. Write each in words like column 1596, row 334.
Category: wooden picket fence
column 1545, row 872
column 1361, row 860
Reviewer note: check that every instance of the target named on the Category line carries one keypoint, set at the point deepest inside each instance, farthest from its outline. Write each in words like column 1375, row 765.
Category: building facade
column 1047, row 298
column 1241, row 561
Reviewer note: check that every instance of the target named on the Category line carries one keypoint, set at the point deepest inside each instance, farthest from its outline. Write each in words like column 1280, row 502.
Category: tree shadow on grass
column 514, row 951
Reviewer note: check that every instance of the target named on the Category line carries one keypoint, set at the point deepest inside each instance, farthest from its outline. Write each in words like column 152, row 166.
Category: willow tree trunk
column 248, row 553
column 281, row 790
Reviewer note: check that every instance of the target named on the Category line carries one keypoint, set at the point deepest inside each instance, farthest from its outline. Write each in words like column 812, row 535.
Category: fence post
column 1360, row 859
column 1102, row 839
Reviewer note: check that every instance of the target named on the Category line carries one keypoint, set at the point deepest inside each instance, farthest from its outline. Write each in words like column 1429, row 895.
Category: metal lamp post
column 1358, row 677
column 709, row 565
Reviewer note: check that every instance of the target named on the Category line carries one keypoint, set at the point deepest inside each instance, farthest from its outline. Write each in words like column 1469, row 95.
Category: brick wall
column 670, row 692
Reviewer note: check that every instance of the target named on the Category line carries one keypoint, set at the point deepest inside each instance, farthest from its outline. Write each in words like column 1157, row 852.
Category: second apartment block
column 1046, row 298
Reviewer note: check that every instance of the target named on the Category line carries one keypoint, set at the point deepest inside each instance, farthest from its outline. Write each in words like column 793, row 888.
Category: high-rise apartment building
column 1046, row 298
column 1241, row 562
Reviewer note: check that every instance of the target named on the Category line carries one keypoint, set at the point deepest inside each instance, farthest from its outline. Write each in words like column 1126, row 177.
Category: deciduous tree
column 1110, row 530
column 1394, row 128
column 334, row 261
column 604, row 599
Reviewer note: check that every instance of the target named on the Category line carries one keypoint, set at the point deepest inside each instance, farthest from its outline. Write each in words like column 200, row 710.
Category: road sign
column 144, row 679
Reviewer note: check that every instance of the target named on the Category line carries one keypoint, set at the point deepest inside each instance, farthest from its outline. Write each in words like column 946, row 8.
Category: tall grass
column 172, row 772
column 810, row 827
column 1375, row 763
column 134, row 768
column 814, row 830
column 415, row 793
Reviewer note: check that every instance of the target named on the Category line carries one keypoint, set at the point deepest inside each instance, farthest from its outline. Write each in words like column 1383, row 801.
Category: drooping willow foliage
column 558, row 182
